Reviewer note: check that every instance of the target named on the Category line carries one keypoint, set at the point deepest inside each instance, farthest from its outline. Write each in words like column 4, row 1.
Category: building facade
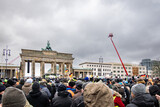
column 113, row 69
column 98, row 69
column 8, row 72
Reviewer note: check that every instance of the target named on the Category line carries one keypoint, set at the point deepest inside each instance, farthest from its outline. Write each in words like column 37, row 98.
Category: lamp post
column 6, row 52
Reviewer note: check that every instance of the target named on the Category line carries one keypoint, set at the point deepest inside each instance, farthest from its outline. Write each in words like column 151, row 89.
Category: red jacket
column 118, row 102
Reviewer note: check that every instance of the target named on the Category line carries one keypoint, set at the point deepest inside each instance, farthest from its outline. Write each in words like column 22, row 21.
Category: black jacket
column 156, row 103
column 37, row 99
column 78, row 102
column 62, row 100
column 142, row 100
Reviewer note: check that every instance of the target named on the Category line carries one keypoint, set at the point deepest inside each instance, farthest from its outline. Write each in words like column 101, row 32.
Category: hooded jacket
column 37, row 99
column 98, row 95
column 26, row 88
column 142, row 100
column 62, row 100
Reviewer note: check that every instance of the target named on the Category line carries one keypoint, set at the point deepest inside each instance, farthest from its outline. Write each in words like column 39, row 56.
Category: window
column 122, row 75
column 99, row 74
column 126, row 67
column 121, row 71
column 118, row 71
column 114, row 67
column 129, row 68
column 129, row 71
column 114, row 71
column 121, row 67
column 99, row 69
column 118, row 67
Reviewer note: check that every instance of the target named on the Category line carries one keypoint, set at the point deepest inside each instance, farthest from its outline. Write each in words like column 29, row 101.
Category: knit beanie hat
column 36, row 87
column 13, row 97
column 79, row 86
column 154, row 89
column 29, row 81
column 11, row 82
column 61, row 88
column 2, row 87
column 71, row 83
column 138, row 89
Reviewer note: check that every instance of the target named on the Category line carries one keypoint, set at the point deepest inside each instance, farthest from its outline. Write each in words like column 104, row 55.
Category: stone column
column 33, row 69
column 11, row 73
column 1, row 73
column 42, row 69
column 78, row 74
column 55, row 68
column 23, row 69
column 62, row 68
column 60, row 72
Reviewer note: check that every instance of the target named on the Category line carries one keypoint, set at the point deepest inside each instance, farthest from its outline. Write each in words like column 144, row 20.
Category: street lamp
column 6, row 52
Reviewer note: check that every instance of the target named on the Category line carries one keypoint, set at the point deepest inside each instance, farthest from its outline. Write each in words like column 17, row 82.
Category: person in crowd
column 97, row 95
column 11, row 83
column 140, row 98
column 78, row 90
column 36, row 98
column 14, row 97
column 71, row 88
column 21, row 83
column 140, row 81
column 27, row 87
column 63, row 99
column 158, row 98
column 44, row 89
column 2, row 88
column 147, row 86
column 79, row 102
column 117, row 99
column 118, row 87
column 153, row 90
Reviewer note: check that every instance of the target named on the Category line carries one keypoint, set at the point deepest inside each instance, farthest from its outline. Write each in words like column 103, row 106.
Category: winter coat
column 142, row 100
column 62, row 100
column 98, row 95
column 78, row 102
column 117, row 100
column 45, row 89
column 156, row 103
column 37, row 99
column 26, row 88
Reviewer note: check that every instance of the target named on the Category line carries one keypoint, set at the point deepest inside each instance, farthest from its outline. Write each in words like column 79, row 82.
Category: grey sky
column 81, row 27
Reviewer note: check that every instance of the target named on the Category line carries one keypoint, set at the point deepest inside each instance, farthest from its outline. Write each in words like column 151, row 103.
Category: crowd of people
column 88, row 92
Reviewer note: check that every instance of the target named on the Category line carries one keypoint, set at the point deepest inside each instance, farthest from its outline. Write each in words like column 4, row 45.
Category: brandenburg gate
column 46, row 56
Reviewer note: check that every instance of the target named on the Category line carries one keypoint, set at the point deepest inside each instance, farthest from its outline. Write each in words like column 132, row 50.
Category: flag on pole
column 143, row 75
column 66, row 70
column 70, row 75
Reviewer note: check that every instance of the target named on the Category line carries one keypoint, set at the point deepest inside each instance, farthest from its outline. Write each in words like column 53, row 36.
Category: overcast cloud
column 81, row 27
